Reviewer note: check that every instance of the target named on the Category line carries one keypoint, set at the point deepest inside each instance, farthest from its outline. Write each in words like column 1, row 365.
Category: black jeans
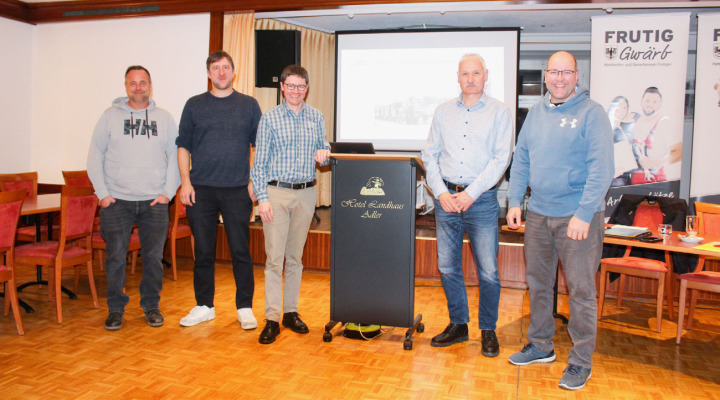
column 116, row 222
column 235, row 206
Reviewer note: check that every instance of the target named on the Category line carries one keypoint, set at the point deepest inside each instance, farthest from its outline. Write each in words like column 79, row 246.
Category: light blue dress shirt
column 469, row 146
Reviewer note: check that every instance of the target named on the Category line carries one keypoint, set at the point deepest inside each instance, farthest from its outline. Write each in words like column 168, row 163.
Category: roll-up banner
column 704, row 177
column 639, row 67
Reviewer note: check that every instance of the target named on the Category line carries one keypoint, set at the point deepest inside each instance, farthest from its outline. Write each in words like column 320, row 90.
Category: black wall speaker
column 274, row 50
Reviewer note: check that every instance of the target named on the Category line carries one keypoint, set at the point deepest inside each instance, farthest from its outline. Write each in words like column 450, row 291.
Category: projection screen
column 388, row 83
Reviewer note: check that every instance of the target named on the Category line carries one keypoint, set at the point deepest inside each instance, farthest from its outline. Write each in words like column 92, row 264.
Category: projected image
column 414, row 111
column 388, row 96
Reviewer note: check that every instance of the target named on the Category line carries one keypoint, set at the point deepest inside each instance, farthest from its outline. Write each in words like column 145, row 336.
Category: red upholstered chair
column 709, row 218
column 98, row 245
column 27, row 181
column 77, row 178
column 23, row 181
column 10, row 206
column 649, row 216
column 178, row 231
column 80, row 178
column 77, row 211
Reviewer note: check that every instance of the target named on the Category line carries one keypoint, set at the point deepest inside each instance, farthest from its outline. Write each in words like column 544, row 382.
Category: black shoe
column 270, row 332
column 154, row 318
column 292, row 320
column 454, row 333
column 490, row 345
column 114, row 321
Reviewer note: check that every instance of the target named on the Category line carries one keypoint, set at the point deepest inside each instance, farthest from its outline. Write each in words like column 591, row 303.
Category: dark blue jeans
column 116, row 222
column 235, row 206
column 480, row 222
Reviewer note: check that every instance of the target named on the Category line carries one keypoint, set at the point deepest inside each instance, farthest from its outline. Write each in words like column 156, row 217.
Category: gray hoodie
column 133, row 155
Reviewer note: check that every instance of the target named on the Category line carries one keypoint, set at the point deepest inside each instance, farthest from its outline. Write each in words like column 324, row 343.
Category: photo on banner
column 639, row 65
column 705, row 182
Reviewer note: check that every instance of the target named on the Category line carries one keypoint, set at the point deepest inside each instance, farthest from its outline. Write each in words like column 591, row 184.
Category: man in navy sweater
column 217, row 129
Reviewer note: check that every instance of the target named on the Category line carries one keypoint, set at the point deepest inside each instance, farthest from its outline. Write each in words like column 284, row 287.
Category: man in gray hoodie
column 132, row 164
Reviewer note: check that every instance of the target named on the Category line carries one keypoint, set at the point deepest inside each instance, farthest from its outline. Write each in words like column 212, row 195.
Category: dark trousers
column 116, row 222
column 235, row 206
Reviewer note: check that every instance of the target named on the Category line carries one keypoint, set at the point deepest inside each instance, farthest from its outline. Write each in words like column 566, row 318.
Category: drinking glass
column 691, row 225
column 665, row 230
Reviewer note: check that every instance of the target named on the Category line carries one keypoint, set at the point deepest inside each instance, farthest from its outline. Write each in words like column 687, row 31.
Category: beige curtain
column 317, row 55
column 239, row 42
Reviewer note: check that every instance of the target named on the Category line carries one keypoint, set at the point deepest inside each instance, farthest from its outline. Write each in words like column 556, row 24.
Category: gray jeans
column 546, row 240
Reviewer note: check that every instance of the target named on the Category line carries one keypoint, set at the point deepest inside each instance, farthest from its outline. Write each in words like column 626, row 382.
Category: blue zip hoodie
column 565, row 155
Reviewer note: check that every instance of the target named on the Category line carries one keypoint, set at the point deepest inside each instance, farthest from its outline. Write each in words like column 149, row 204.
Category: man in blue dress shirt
column 290, row 139
column 467, row 152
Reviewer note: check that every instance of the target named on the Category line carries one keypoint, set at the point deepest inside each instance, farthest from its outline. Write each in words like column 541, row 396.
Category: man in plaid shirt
column 290, row 139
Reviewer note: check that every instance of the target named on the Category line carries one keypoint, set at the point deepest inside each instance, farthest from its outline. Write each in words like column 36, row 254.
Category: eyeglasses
column 555, row 73
column 290, row 86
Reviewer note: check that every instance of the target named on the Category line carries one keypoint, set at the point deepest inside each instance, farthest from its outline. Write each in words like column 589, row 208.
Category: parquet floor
column 218, row 360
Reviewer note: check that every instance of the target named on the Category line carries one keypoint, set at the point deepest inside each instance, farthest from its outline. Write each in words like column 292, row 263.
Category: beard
column 218, row 86
column 140, row 98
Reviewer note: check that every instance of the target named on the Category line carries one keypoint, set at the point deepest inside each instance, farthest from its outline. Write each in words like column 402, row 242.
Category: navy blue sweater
column 218, row 133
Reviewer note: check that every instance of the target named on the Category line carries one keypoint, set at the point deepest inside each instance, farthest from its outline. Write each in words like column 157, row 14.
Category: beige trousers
column 284, row 241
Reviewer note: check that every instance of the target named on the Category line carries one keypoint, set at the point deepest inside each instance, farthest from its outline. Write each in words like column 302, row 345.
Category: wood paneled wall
column 511, row 263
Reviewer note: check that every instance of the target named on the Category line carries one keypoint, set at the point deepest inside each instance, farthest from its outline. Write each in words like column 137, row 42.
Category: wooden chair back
column 708, row 218
column 27, row 181
column 10, row 208
column 77, row 178
column 77, row 212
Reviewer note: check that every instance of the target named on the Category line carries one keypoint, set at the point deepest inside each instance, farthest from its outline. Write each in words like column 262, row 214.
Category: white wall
column 79, row 67
column 15, row 97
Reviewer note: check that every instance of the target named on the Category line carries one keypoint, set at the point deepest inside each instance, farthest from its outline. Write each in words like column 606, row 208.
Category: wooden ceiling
column 57, row 11
column 36, row 13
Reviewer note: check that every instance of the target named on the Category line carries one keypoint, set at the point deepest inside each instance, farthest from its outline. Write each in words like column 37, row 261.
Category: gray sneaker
column 574, row 377
column 531, row 354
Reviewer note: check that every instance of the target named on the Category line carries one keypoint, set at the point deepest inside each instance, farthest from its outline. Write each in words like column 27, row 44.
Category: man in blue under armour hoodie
column 132, row 164
column 564, row 154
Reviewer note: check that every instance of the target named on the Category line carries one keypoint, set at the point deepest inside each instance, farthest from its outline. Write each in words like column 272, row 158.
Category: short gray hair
column 473, row 56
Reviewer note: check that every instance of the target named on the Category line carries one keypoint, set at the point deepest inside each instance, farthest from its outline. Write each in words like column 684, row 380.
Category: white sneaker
column 197, row 315
column 246, row 318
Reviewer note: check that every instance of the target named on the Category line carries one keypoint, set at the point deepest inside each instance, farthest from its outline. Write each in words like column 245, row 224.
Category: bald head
column 563, row 57
column 561, row 76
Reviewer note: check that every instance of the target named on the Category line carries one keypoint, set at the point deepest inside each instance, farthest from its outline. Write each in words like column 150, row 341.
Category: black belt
column 460, row 188
column 293, row 186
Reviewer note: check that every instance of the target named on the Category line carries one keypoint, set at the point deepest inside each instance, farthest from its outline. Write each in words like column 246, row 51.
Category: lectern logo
column 373, row 187
column 611, row 52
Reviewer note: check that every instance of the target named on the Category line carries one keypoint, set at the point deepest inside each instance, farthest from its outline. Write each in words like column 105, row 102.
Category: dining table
column 709, row 246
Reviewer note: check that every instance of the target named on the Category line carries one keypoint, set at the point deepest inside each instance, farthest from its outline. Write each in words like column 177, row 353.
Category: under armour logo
column 573, row 123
